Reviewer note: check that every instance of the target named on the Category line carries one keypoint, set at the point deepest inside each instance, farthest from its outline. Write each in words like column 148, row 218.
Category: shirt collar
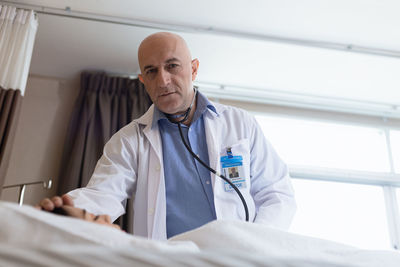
column 202, row 105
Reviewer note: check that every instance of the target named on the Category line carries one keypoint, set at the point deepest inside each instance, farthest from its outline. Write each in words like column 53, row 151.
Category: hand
column 55, row 202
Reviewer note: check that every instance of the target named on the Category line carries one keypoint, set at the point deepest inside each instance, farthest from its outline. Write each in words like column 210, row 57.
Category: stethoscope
column 179, row 122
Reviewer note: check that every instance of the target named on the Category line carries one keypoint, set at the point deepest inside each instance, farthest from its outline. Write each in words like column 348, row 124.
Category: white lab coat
column 132, row 165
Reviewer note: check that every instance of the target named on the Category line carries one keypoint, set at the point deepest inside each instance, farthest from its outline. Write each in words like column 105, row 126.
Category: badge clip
column 229, row 152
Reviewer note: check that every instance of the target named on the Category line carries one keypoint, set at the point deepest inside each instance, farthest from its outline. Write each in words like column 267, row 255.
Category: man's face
column 167, row 73
column 87, row 216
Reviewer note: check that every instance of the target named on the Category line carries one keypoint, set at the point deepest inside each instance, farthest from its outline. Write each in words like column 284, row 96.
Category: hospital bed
column 29, row 237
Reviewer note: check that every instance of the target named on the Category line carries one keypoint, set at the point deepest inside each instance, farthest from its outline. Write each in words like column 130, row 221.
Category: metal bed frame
column 46, row 184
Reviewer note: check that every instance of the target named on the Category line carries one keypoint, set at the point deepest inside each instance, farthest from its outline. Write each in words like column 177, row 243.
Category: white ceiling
column 66, row 46
column 373, row 23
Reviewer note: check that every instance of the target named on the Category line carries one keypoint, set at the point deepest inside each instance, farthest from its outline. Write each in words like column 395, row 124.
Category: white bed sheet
column 29, row 226
column 35, row 238
column 255, row 238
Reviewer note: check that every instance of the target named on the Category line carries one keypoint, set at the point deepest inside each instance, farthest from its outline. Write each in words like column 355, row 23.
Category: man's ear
column 195, row 67
column 140, row 78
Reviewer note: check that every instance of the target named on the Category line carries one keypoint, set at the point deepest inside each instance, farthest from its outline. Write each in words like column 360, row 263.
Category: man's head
column 84, row 215
column 167, row 71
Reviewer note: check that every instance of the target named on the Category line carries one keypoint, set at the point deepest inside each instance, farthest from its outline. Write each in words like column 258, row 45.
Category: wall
column 39, row 140
column 44, row 120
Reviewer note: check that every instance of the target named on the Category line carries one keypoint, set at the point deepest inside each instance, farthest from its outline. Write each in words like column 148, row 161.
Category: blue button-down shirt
column 189, row 194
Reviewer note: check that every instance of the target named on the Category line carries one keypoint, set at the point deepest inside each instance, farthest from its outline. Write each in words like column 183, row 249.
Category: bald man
column 147, row 160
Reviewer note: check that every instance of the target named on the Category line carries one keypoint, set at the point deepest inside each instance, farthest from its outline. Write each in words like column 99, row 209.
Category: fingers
column 55, row 202
column 67, row 200
column 47, row 204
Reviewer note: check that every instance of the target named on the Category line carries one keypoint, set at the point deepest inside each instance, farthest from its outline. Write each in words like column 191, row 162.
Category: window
column 330, row 145
column 353, row 214
column 345, row 213
column 395, row 143
column 398, row 198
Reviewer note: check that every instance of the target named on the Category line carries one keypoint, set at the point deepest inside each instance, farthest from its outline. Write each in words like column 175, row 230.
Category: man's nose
column 163, row 78
column 106, row 218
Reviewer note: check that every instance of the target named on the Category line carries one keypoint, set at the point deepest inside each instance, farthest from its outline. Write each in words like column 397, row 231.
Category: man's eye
column 151, row 71
column 172, row 65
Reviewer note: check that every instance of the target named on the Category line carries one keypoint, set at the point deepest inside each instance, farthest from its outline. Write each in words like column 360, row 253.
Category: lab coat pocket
column 235, row 165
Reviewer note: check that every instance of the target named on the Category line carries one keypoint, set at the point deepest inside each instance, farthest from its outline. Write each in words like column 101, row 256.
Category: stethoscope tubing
column 246, row 210
column 185, row 117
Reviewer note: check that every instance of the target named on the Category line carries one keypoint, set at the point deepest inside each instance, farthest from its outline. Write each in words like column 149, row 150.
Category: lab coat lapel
column 156, row 206
column 212, row 138
column 213, row 127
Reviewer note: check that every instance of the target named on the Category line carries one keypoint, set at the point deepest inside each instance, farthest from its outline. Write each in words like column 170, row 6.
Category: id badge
column 232, row 168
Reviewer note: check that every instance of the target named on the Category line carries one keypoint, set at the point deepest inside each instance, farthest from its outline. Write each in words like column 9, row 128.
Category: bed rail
column 46, row 184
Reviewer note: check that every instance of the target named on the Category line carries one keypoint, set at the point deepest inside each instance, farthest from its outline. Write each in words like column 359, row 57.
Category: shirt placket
column 194, row 144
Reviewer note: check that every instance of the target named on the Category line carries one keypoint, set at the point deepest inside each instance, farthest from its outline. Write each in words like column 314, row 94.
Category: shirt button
column 151, row 211
column 157, row 168
column 207, row 182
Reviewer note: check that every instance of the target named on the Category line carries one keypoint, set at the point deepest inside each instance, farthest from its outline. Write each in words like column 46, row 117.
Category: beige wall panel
column 39, row 141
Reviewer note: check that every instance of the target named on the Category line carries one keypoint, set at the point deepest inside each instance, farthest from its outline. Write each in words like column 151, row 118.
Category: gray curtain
column 105, row 104
column 10, row 106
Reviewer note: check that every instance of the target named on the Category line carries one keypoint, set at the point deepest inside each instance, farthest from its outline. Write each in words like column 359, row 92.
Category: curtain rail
column 68, row 12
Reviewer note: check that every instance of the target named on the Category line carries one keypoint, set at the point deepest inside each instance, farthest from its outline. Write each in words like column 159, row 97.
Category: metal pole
column 22, row 187
column 21, row 194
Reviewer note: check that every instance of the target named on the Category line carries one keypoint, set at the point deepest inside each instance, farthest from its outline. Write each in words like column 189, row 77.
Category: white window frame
column 371, row 118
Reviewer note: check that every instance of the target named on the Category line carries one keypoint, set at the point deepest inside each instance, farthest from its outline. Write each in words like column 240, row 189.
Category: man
column 173, row 192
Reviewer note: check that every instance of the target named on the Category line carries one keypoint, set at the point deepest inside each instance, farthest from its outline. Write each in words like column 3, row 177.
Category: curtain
column 105, row 104
column 17, row 35
column 10, row 106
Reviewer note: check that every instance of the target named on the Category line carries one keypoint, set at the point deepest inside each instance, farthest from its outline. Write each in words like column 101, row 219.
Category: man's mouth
column 167, row 94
